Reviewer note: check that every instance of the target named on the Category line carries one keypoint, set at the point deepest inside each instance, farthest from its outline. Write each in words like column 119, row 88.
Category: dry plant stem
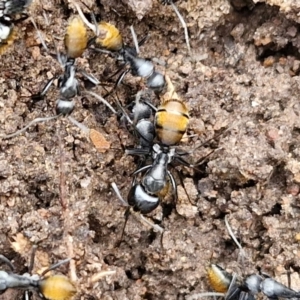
column 170, row 93
column 135, row 41
column 39, row 34
column 66, row 211
column 202, row 295
column 186, row 34
column 62, row 178
column 242, row 252
column 98, row 276
column 85, row 129
column 84, row 19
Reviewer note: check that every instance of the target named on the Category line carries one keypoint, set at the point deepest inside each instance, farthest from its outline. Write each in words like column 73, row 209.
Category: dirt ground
column 242, row 76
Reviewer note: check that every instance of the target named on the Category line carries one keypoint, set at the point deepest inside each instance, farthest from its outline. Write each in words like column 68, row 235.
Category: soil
column 242, row 87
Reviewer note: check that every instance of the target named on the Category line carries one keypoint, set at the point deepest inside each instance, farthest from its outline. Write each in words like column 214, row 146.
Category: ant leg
column 118, row 194
column 202, row 160
column 182, row 184
column 126, row 215
column 120, row 78
column 102, row 100
column 151, row 106
column 174, row 187
column 143, row 169
column 55, row 266
column 91, row 42
column 154, row 226
column 40, row 96
column 90, row 77
column 205, row 294
column 137, row 151
column 32, row 256
column 8, row 262
column 143, row 40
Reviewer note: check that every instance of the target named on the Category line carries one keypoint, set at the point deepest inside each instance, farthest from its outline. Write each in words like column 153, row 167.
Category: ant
column 55, row 287
column 75, row 43
column 110, row 41
column 226, row 285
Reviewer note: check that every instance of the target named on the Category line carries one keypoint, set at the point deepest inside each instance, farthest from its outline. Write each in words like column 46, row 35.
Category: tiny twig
column 66, row 212
column 62, row 178
column 242, row 251
column 135, row 41
column 183, row 23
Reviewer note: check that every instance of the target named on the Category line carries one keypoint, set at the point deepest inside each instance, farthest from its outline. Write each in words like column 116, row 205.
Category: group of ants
column 157, row 130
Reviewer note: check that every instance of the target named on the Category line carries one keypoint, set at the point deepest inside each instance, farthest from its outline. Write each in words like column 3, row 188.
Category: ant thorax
column 158, row 149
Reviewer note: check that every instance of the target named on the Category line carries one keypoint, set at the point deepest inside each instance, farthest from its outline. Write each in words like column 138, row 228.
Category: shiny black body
column 254, row 284
column 141, row 200
column 68, row 86
column 11, row 7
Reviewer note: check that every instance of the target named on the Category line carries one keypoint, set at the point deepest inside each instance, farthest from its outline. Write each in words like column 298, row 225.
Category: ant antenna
column 55, row 266
column 102, row 100
column 123, row 110
column 37, row 120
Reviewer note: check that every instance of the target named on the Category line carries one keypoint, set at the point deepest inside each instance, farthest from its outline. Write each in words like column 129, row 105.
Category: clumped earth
column 242, row 86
